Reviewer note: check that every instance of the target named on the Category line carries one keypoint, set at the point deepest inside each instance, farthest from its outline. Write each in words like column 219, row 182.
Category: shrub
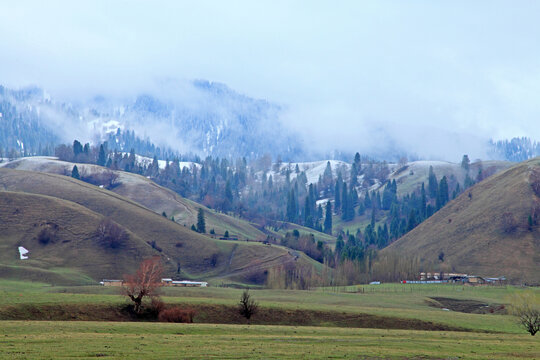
column 526, row 307
column 46, row 236
column 157, row 305
column 509, row 223
column 247, row 306
column 535, row 181
column 111, row 235
column 177, row 314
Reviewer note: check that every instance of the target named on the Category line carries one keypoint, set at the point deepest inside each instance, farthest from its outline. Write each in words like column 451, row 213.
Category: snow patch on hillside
column 23, row 253
column 143, row 160
column 313, row 169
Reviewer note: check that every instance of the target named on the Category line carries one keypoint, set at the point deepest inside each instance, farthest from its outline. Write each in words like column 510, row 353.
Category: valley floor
column 383, row 321
column 88, row 340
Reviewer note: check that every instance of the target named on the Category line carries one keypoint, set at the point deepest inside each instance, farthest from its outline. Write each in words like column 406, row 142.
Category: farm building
column 107, row 282
column 442, row 277
column 183, row 283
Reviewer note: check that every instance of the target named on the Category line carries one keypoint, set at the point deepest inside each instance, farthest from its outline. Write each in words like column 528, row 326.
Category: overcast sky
column 437, row 77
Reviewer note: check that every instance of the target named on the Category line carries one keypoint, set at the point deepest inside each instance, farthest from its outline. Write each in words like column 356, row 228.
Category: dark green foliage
column 247, row 306
column 102, row 157
column 75, row 173
column 367, row 201
column 77, row 148
column 201, row 224
column 465, row 162
column 292, row 211
column 442, row 195
column 337, row 196
column 328, row 218
column 226, row 235
column 47, row 235
column 433, row 184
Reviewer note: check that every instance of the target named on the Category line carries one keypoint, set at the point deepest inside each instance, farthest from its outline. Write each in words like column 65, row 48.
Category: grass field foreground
column 87, row 340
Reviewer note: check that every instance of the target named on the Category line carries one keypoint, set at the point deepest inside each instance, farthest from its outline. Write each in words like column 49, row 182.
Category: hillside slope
column 197, row 255
column 160, row 199
column 146, row 192
column 472, row 231
column 415, row 173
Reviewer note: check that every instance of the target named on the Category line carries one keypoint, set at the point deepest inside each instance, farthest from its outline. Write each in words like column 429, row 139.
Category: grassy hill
column 146, row 192
column 473, row 233
column 160, row 199
column 411, row 177
column 415, row 173
column 75, row 248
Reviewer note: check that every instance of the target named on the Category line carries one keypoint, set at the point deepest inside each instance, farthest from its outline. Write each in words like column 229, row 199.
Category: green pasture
column 89, row 340
column 408, row 301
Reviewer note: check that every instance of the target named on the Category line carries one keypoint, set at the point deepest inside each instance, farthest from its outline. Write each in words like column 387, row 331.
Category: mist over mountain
column 203, row 118
column 197, row 117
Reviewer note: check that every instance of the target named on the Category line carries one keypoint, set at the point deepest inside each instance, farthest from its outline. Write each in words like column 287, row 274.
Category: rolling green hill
column 160, row 199
column 146, row 192
column 485, row 233
column 412, row 176
column 42, row 200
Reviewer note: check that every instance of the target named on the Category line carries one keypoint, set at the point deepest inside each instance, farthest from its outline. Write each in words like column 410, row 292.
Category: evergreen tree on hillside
column 423, row 202
column 201, row 223
column 291, row 207
column 412, row 222
column 228, row 196
column 344, row 199
column 367, row 201
column 328, row 218
column 465, row 162
column 102, row 157
column 75, row 173
column 442, row 197
column 433, row 184
column 337, row 196
column 77, row 148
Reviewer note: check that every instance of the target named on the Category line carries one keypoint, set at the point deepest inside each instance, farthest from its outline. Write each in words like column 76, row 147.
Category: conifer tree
column 423, row 202
column 328, row 218
column 344, row 199
column 102, row 158
column 291, row 207
column 337, row 196
column 433, row 184
column 442, row 197
column 77, row 148
column 201, row 223
column 465, row 162
column 367, row 201
column 75, row 173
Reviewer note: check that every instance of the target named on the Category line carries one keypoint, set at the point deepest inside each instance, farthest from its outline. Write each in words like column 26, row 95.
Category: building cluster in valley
column 164, row 282
column 442, row 277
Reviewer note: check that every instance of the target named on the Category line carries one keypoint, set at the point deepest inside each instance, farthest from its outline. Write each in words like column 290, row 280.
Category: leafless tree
column 535, row 181
column 509, row 222
column 144, row 283
column 526, row 306
column 247, row 306
column 111, row 235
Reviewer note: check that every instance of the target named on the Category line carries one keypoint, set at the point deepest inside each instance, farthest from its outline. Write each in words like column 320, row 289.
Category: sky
column 437, row 78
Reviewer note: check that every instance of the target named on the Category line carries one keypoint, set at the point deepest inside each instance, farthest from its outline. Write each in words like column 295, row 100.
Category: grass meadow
column 482, row 336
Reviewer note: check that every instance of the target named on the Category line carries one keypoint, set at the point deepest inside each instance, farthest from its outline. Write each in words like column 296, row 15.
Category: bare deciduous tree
column 509, row 222
column 111, row 235
column 526, row 306
column 247, row 306
column 144, row 283
column 535, row 181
